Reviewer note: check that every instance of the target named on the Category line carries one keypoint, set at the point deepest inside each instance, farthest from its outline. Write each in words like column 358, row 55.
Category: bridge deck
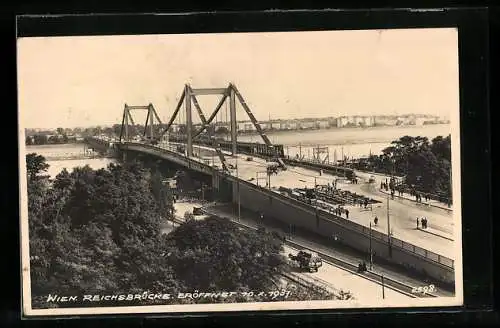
column 402, row 214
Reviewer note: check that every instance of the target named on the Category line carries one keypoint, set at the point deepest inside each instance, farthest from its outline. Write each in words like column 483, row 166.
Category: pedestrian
column 417, row 222
column 375, row 220
column 346, row 213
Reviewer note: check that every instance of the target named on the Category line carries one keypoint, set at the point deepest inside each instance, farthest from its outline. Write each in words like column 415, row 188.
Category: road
column 402, row 213
column 403, row 223
column 252, row 220
column 339, row 279
column 329, row 275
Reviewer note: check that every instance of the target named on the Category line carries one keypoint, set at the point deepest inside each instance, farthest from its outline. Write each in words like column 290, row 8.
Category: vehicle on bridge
column 307, row 260
column 273, row 167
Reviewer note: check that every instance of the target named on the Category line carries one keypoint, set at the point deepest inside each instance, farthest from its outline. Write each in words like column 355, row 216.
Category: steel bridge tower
column 187, row 100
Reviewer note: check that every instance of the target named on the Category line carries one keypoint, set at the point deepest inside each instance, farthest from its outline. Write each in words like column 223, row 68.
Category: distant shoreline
column 276, row 132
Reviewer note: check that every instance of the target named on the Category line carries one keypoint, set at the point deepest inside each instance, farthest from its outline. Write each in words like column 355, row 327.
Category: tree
column 35, row 164
column 162, row 193
column 441, row 147
column 425, row 165
column 40, row 139
column 214, row 254
column 95, row 231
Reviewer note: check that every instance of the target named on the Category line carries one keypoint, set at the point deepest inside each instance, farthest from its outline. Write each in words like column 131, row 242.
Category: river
column 63, row 150
column 352, row 142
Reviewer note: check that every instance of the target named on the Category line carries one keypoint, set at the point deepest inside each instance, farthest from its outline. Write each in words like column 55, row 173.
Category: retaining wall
column 291, row 211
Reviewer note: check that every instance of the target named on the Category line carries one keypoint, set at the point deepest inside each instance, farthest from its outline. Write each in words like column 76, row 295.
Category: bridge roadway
column 403, row 213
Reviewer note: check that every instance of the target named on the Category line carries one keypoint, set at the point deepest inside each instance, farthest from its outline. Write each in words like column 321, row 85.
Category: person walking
column 417, row 222
column 346, row 213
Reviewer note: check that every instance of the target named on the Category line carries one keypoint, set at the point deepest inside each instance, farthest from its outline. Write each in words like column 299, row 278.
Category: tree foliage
column 215, row 254
column 35, row 164
column 426, row 165
column 99, row 231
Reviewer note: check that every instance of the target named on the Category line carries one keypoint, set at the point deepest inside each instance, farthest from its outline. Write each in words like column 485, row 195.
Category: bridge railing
column 181, row 157
column 376, row 235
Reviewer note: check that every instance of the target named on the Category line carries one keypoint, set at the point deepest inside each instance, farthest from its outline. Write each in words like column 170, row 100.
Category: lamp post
column 371, row 252
column 238, row 187
column 383, row 289
column 388, row 229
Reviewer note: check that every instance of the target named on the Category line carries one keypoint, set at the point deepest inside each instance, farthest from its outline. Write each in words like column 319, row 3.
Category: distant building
column 275, row 125
column 419, row 121
column 358, row 120
column 368, row 120
column 342, row 121
column 385, row 120
column 305, row 125
column 333, row 122
column 288, row 125
column 265, row 125
column 323, row 124
column 249, row 126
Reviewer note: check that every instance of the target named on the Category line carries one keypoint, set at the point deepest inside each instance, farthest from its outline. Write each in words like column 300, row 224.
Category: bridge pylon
column 189, row 98
column 129, row 126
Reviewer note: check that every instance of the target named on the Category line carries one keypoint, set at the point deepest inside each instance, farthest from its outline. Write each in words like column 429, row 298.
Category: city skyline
column 85, row 81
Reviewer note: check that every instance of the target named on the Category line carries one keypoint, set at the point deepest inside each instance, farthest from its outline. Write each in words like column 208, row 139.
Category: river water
column 65, row 150
column 352, row 142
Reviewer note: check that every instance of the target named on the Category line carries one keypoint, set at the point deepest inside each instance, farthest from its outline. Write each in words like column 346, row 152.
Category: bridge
column 240, row 173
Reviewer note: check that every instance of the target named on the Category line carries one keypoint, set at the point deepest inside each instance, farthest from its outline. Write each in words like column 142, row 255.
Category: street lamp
column 383, row 289
column 371, row 252
column 238, row 187
column 388, row 229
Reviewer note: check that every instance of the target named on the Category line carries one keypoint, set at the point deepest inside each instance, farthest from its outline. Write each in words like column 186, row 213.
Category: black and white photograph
column 177, row 173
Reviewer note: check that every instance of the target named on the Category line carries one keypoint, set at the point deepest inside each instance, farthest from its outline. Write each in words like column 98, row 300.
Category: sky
column 85, row 81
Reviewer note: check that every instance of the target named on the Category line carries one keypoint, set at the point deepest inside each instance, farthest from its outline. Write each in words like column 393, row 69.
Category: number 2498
column 423, row 289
